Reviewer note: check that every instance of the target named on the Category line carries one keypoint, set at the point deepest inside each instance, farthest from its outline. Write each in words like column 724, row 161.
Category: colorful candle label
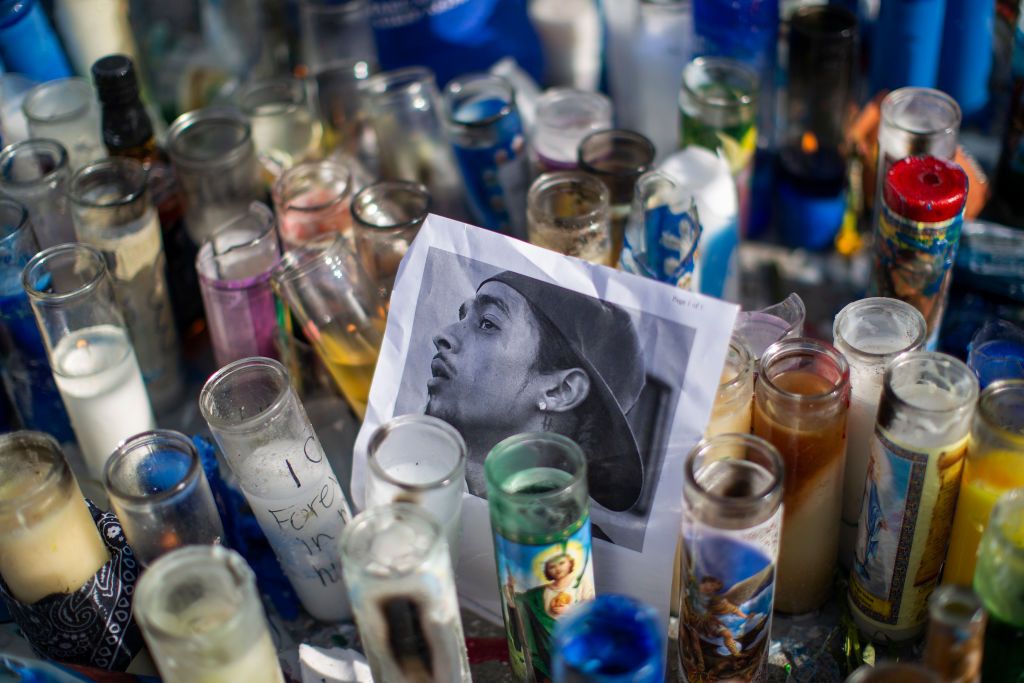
column 728, row 588
column 905, row 521
column 539, row 585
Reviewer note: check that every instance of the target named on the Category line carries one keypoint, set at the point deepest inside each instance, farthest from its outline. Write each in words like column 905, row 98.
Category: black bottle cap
column 114, row 76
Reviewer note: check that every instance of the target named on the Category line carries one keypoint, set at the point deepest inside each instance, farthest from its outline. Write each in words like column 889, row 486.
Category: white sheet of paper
column 684, row 340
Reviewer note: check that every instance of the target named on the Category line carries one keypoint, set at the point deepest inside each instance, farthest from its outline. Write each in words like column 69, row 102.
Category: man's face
column 481, row 370
column 559, row 567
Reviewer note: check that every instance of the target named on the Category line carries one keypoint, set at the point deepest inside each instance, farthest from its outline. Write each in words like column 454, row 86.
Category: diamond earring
column 541, row 405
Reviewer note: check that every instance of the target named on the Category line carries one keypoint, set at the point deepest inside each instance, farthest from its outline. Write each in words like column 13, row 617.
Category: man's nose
column 446, row 340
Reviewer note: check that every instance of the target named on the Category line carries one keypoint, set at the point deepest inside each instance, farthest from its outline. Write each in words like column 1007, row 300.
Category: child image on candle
column 725, row 611
column 559, row 579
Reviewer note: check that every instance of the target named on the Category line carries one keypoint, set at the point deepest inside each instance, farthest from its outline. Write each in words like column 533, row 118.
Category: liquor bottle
column 128, row 132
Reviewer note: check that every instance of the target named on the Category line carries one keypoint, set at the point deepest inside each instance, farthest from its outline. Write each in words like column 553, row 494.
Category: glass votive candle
column 996, row 352
column 36, row 174
column 48, row 540
column 313, row 199
column 800, row 404
column 564, row 117
column 731, row 411
column 568, row 212
column 202, row 619
column 421, row 460
column 387, row 215
column 66, row 110
column 285, row 128
column 159, row 491
column 762, row 328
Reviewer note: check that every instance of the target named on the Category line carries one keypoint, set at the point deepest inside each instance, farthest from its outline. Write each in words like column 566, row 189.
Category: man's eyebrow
column 486, row 299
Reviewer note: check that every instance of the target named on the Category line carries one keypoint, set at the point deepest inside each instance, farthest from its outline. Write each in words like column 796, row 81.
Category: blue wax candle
column 965, row 63
column 811, row 197
column 611, row 639
column 28, row 44
column 905, row 49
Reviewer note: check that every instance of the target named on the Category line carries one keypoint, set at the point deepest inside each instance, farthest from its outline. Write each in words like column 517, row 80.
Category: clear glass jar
column 285, row 129
column 956, row 634
column 731, row 411
column 999, row 582
column 564, row 117
column 36, row 173
column 569, row 212
column 66, row 110
column 313, row 199
column 331, row 33
column 387, row 216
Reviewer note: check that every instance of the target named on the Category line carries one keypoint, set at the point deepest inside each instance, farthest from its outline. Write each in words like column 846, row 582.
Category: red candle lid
column 926, row 189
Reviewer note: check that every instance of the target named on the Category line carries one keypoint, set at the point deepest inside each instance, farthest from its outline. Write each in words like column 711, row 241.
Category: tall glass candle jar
column 91, row 355
column 910, row 492
column 403, row 596
column 234, row 267
column 26, row 368
column 617, row 158
column 563, row 118
column 340, row 310
column 66, row 110
column 313, row 199
column 111, row 206
column 956, row 634
column 732, row 485
column 800, row 404
column 611, row 639
column 487, row 134
column 341, row 105
column 387, row 215
column 331, row 33
column 48, row 540
column 762, row 328
column 157, row 487
column 918, row 234
column 569, row 212
column 201, row 616
column 405, row 108
column 869, row 333
column 995, row 465
column 999, row 582
column 267, row 440
column 215, row 160
column 996, row 351
column 731, row 411
column 540, row 518
column 718, row 111
column 422, row 460
column 285, row 128
column 36, row 173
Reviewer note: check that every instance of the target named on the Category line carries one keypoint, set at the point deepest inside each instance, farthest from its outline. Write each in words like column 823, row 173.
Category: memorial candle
column 569, row 212
column 760, row 329
column 731, row 411
column 263, row 431
column 36, row 173
column 564, row 117
column 285, row 129
column 999, row 582
column 387, row 215
column 313, row 199
column 996, row 352
column 956, row 634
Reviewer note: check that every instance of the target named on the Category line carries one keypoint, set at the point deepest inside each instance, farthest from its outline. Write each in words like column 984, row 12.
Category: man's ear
column 566, row 389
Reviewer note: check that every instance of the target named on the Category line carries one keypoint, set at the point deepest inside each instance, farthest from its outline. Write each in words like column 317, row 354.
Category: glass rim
column 545, row 183
column 412, row 188
column 44, row 257
column 910, row 357
column 728, row 441
column 798, row 346
column 166, row 437
column 221, row 115
column 54, row 474
column 307, row 257
column 465, row 85
column 392, row 511
column 952, row 594
column 10, row 233
column 267, row 232
column 635, row 139
column 737, row 344
column 380, row 435
column 552, row 97
column 295, row 89
column 985, row 408
column 902, row 95
column 271, row 369
column 8, row 154
column 310, row 169
column 725, row 64
column 398, row 82
column 568, row 447
column 898, row 308
column 78, row 85
column 202, row 557
column 130, row 169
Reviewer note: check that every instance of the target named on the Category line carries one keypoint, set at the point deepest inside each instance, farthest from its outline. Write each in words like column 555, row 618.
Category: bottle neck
column 128, row 131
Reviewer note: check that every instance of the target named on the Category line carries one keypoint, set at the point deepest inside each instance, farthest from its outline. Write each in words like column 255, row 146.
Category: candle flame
column 81, row 343
column 809, row 143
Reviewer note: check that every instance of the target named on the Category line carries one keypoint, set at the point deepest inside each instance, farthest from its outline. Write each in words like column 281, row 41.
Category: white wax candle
column 98, row 377
column 570, row 35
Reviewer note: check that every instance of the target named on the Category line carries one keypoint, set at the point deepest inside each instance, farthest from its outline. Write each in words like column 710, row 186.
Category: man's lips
column 440, row 368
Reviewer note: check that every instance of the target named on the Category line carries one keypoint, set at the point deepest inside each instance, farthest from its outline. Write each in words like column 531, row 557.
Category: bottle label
column 905, row 521
column 539, row 585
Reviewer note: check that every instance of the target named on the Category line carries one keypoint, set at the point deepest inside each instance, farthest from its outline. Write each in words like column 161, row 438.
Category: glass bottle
column 994, row 465
column 800, row 405
column 113, row 212
column 35, row 173
column 869, row 333
column 285, row 128
column 402, row 588
column 387, row 216
column 66, row 110
column 913, row 477
column 90, row 352
column 999, row 582
column 956, row 634
column 48, row 540
column 200, row 613
column 313, row 199
column 732, row 485
column 540, row 517
column 263, row 431
column 569, row 212
column 234, row 267
column 731, row 411
column 487, row 135
column 564, row 117
column 26, row 368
